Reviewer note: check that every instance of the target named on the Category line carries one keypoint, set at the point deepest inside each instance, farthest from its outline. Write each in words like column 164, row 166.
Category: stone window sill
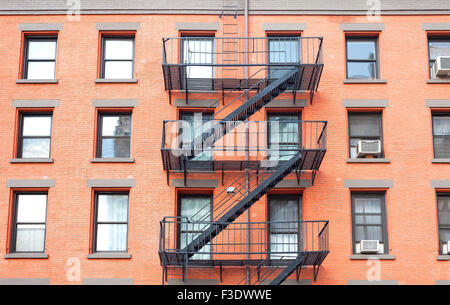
column 440, row 161
column 109, row 255
column 365, row 81
column 112, row 160
column 112, row 81
column 368, row 160
column 36, row 81
column 372, row 256
column 443, row 257
column 26, row 255
column 31, row 160
column 439, row 81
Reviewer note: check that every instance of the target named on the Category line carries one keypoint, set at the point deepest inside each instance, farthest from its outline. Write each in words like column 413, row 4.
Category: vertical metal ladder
column 230, row 45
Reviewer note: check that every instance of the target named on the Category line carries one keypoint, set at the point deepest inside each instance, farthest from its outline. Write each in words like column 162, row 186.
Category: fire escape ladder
column 286, row 272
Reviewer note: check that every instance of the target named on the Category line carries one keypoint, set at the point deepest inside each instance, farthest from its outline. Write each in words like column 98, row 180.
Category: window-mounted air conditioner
column 369, row 246
column 441, row 66
column 368, row 147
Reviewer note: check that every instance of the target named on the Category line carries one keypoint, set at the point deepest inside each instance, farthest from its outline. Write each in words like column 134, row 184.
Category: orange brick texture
column 411, row 203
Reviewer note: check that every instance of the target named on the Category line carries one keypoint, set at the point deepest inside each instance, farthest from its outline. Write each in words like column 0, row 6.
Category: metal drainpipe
column 247, row 235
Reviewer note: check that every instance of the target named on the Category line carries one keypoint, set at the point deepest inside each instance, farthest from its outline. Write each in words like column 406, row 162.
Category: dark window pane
column 441, row 125
column 115, row 148
column 361, row 50
column 444, row 210
column 361, row 70
column 441, row 147
column 368, row 217
column 367, row 125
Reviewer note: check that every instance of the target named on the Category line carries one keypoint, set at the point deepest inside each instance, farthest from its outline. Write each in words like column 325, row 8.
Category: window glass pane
column 40, row 49
column 116, row 125
column 444, row 235
column 30, row 238
column 118, row 49
column 361, row 50
column 444, row 210
column 112, row 208
column 198, row 51
column 283, row 50
column 116, row 148
column 441, row 125
column 284, row 210
column 118, row 69
column 37, row 125
column 112, row 237
column 364, row 125
column 35, row 148
column 442, row 147
column 374, row 233
column 41, row 70
column 439, row 48
column 283, row 246
column 186, row 238
column 196, row 208
column 361, row 70
column 31, row 208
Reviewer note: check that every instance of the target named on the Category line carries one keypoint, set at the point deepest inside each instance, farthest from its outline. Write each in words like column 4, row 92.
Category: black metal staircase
column 263, row 175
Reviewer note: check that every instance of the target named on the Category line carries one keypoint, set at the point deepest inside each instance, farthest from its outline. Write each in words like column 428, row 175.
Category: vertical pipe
column 247, row 235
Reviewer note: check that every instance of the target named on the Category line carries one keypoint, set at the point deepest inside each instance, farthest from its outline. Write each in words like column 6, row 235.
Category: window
column 369, row 219
column 438, row 46
column 198, row 124
column 29, row 222
column 284, row 217
column 443, row 201
column 441, row 135
column 198, row 50
column 284, row 135
column 39, row 58
column 111, row 222
column 34, row 135
column 362, row 61
column 117, row 57
column 194, row 208
column 364, row 126
column 114, row 136
column 282, row 50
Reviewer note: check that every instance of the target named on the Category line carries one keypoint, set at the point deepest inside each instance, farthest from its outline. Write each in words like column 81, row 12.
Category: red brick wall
column 411, row 203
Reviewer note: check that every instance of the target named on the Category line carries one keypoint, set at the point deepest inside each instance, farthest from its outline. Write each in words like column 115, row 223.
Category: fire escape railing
column 279, row 242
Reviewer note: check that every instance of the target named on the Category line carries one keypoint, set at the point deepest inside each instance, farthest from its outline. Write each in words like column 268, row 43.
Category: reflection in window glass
column 441, row 136
column 111, row 222
column 118, row 56
column 30, row 219
column 35, row 136
column 438, row 46
column 114, row 136
column 40, row 58
column 362, row 58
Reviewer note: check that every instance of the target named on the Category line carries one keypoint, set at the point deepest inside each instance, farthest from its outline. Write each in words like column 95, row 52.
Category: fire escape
column 216, row 237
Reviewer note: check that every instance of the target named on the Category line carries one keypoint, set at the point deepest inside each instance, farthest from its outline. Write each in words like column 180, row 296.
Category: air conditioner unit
column 368, row 147
column 446, row 248
column 441, row 66
column 369, row 246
